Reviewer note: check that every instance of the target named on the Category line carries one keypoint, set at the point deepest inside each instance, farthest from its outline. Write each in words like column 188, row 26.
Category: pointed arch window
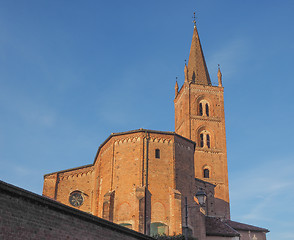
column 206, row 173
column 200, row 109
column 204, row 108
column 204, row 139
column 208, row 140
column 207, row 109
column 201, row 140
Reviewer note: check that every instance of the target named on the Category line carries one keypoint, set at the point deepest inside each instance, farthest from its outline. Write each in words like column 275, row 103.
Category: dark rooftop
column 216, row 227
column 243, row 226
column 227, row 228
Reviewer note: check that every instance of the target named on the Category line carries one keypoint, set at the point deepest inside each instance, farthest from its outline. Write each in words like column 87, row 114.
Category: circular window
column 76, row 198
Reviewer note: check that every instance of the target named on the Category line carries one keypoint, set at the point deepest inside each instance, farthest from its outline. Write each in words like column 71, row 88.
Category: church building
column 146, row 180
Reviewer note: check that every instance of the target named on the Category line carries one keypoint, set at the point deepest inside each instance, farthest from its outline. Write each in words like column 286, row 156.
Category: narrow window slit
column 157, row 153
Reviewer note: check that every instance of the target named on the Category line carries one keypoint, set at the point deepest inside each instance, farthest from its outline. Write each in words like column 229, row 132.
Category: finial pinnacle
column 219, row 76
column 194, row 20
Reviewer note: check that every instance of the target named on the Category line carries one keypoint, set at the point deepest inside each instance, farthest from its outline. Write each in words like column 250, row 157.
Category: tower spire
column 197, row 68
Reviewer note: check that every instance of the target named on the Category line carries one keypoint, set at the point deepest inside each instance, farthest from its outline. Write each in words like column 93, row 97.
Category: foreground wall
column 25, row 215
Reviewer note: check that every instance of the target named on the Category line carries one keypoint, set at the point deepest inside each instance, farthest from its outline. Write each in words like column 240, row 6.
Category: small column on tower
column 186, row 72
column 219, row 77
column 176, row 88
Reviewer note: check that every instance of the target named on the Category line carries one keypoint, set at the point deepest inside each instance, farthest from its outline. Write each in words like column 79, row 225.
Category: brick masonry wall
column 190, row 124
column 114, row 186
column 25, row 215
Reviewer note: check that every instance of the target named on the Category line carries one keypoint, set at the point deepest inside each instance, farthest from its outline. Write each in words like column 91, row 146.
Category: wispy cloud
column 264, row 180
column 287, row 235
column 263, row 196
column 16, row 169
column 39, row 116
column 26, row 107
column 230, row 57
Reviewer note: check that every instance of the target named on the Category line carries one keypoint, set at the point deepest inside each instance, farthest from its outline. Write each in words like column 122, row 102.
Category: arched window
column 208, row 140
column 204, row 139
column 157, row 153
column 207, row 109
column 206, row 173
column 204, row 108
column 158, row 228
column 200, row 109
column 201, row 140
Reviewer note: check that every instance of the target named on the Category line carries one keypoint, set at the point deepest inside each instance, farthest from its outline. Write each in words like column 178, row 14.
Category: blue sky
column 72, row 72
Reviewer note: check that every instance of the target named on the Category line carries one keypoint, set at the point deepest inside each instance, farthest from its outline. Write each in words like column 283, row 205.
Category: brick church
column 142, row 178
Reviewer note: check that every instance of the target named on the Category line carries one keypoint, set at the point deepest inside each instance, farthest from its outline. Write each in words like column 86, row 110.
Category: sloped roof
column 216, row 227
column 243, row 226
column 197, row 69
column 227, row 228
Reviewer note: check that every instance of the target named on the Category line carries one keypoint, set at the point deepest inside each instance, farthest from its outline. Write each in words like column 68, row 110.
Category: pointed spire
column 176, row 88
column 186, row 72
column 219, row 77
column 197, row 68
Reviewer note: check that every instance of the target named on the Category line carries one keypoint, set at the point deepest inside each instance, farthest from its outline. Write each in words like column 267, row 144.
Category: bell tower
column 199, row 116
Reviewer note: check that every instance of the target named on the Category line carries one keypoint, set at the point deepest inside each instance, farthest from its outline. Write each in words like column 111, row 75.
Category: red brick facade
column 140, row 178
column 199, row 116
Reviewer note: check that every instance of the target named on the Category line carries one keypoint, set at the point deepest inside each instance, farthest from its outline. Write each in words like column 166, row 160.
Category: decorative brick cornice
column 127, row 140
column 205, row 119
column 207, row 90
column 160, row 140
column 85, row 168
column 75, row 174
column 105, row 150
column 208, row 150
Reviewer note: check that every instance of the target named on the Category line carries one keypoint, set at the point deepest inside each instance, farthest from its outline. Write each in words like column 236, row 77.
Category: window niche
column 158, row 228
column 206, row 173
column 157, row 153
column 204, row 139
column 204, row 108
column 200, row 109
column 207, row 109
column 207, row 140
column 201, row 140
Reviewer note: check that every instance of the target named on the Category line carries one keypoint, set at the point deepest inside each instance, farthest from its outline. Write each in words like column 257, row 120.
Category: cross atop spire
column 194, row 20
column 197, row 69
